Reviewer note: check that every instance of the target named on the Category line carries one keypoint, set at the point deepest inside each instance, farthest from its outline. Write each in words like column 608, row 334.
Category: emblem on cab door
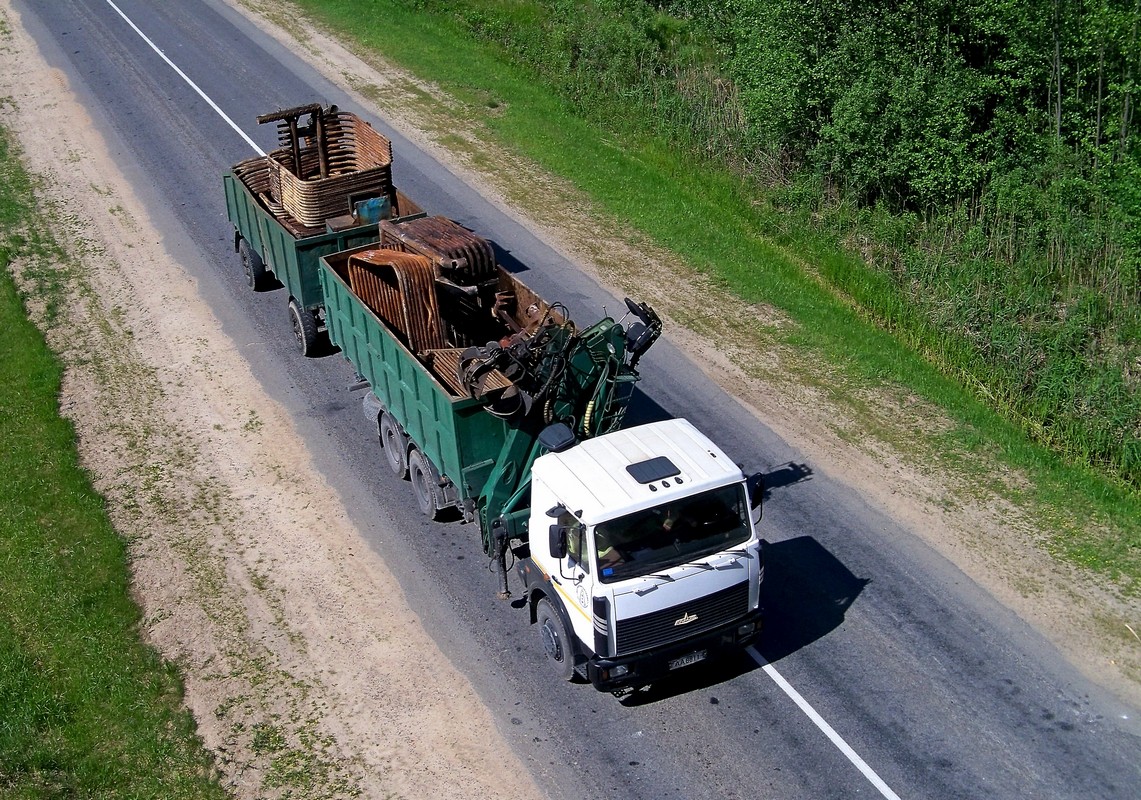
column 685, row 619
column 583, row 599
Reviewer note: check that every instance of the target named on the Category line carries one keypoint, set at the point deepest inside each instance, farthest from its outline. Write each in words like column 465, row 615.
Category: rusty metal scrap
column 289, row 134
column 518, row 321
column 445, row 364
column 321, row 167
column 461, row 256
column 401, row 289
column 518, row 307
column 255, row 174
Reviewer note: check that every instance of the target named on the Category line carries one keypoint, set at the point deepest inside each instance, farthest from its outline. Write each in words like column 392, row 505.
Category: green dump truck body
column 480, row 414
column 462, row 440
column 291, row 257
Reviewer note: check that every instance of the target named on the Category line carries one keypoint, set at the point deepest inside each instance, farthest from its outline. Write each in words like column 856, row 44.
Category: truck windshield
column 671, row 534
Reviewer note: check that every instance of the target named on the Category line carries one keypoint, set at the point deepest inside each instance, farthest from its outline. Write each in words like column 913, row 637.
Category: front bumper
column 649, row 665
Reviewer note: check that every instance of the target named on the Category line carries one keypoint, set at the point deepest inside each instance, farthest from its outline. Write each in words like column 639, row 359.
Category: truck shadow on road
column 506, row 259
column 643, row 410
column 806, row 593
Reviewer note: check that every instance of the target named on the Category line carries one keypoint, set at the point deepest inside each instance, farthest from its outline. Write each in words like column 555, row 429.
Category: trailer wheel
column 253, row 265
column 304, row 327
column 425, row 483
column 556, row 640
column 395, row 445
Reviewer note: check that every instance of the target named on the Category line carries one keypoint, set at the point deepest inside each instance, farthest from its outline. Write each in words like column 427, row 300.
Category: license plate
column 685, row 661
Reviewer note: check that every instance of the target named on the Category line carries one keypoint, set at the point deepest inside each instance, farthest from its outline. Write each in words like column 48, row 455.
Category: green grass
column 762, row 254
column 86, row 710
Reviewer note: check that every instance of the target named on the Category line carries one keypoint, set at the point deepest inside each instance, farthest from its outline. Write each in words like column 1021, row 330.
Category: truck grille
column 658, row 628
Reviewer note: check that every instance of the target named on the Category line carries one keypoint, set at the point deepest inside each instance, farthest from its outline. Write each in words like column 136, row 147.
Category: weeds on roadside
column 88, row 709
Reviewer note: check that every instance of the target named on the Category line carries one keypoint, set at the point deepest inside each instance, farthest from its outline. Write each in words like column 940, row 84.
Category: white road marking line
column 818, row 720
column 186, row 78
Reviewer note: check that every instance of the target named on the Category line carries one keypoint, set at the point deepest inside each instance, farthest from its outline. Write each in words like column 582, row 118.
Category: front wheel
column 556, row 640
column 304, row 327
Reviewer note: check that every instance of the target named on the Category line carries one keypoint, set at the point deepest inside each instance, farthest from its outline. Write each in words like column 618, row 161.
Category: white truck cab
column 644, row 554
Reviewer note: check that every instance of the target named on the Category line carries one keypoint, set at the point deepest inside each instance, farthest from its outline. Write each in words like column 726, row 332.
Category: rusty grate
column 462, row 256
column 400, row 289
column 322, row 167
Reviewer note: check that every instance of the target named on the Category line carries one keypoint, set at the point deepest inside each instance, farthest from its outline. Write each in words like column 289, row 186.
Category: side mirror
column 558, row 541
column 756, row 486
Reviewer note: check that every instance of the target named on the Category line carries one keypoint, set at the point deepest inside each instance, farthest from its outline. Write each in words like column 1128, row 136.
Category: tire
column 252, row 264
column 304, row 327
column 395, row 444
column 556, row 640
column 425, row 483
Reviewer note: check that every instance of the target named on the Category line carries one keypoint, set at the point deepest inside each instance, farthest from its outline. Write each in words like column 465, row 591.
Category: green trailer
column 323, row 190
column 269, row 243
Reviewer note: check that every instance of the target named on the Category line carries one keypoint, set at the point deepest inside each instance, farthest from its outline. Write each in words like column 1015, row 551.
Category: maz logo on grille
column 688, row 618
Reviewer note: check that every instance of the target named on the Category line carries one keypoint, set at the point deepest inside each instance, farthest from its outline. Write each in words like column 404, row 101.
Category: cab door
column 577, row 581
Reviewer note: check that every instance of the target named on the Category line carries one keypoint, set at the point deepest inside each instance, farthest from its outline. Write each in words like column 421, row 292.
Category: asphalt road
column 941, row 691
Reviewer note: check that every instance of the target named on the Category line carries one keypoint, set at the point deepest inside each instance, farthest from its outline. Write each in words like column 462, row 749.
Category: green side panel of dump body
column 293, row 261
column 460, row 438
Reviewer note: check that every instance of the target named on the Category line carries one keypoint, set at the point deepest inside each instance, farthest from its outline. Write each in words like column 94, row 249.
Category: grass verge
column 761, row 256
column 87, row 709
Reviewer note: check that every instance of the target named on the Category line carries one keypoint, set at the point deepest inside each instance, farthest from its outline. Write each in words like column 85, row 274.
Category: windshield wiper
column 662, row 576
column 670, row 578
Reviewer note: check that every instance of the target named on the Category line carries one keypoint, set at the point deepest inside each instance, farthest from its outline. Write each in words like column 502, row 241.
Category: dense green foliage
column 982, row 157
column 85, row 709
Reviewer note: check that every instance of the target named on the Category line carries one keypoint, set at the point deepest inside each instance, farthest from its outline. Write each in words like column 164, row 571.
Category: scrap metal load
column 400, row 289
column 327, row 165
column 462, row 257
column 484, row 334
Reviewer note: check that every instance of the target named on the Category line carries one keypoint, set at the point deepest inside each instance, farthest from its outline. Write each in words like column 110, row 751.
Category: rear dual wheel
column 395, row 444
column 425, row 484
column 407, row 461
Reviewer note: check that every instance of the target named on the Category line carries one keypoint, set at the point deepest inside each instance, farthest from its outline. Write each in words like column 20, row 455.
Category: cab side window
column 576, row 540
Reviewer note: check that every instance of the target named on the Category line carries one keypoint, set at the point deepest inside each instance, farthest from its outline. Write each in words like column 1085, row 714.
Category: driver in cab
column 609, row 552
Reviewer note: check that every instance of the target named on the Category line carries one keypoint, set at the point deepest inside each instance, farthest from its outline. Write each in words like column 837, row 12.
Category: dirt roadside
column 293, row 641
column 306, row 670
